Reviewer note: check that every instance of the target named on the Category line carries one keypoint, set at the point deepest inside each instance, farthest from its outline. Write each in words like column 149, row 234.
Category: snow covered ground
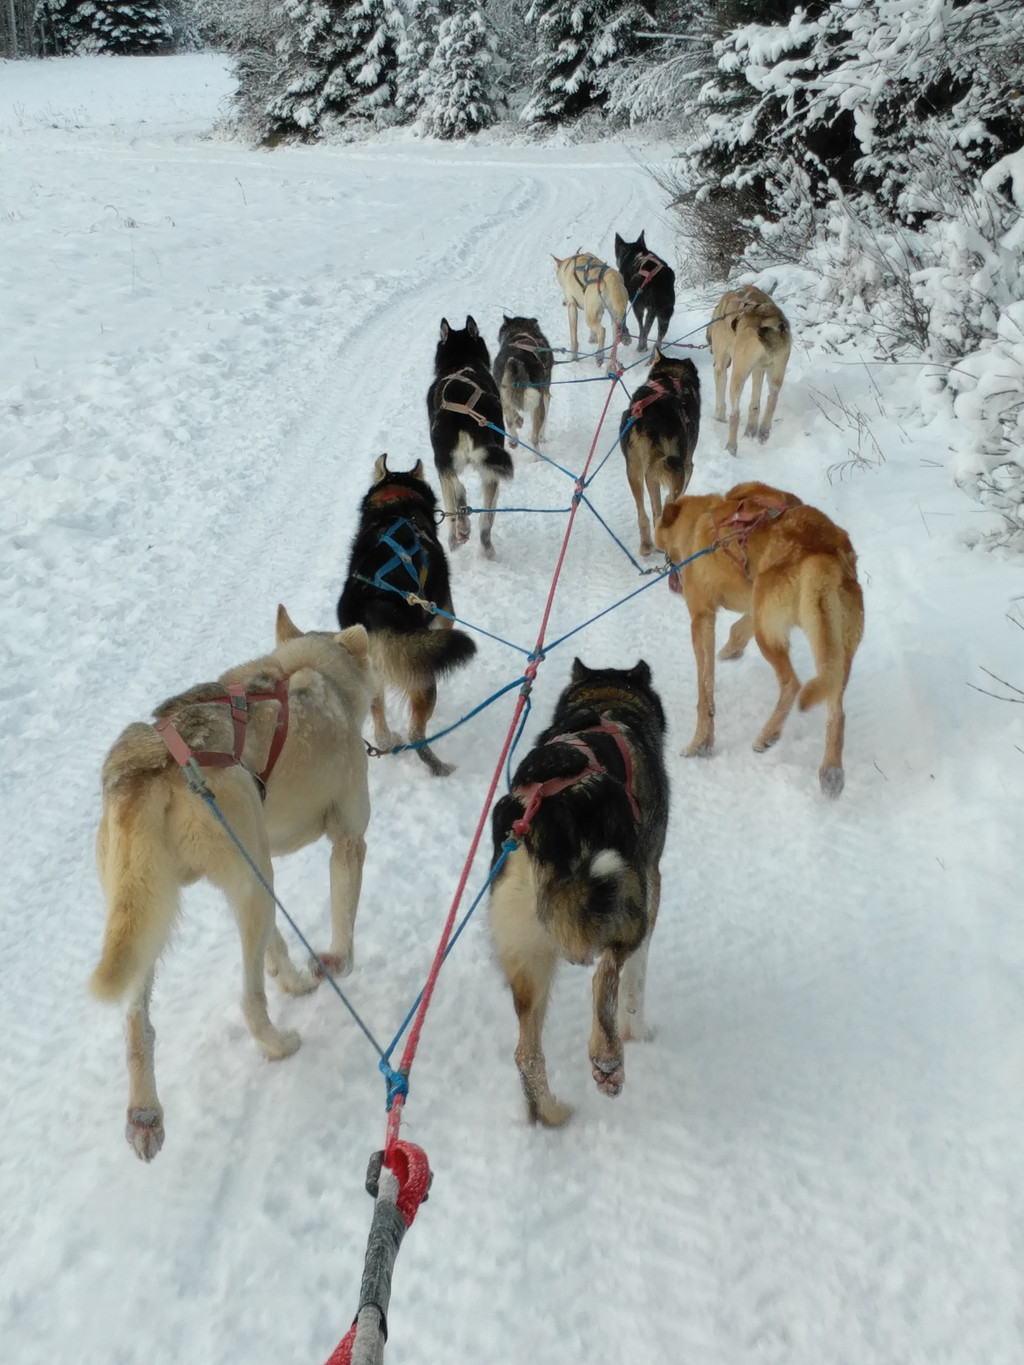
column 819, row 1159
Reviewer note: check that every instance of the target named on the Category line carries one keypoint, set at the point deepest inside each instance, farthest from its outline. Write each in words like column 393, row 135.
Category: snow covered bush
column 578, row 42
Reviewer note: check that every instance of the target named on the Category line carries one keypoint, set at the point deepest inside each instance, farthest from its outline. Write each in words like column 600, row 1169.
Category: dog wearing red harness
column 583, row 829
column 781, row 564
column 658, row 435
column 277, row 743
column 650, row 284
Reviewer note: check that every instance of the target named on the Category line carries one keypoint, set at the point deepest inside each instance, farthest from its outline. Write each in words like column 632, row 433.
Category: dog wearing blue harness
column 397, row 577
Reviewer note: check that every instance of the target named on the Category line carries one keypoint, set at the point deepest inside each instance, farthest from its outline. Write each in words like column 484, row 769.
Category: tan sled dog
column 781, row 564
column 590, row 284
column 156, row 836
column 750, row 334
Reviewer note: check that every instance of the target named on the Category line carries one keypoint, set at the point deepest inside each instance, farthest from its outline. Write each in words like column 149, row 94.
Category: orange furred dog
column 781, row 564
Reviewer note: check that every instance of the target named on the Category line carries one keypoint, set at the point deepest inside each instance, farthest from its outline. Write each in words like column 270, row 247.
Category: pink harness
column 238, row 699
column 647, row 267
column 533, row 793
column 658, row 390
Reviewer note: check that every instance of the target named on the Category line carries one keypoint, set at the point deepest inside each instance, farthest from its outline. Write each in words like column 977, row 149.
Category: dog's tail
column 834, row 623
column 417, row 660
column 135, row 866
column 598, row 903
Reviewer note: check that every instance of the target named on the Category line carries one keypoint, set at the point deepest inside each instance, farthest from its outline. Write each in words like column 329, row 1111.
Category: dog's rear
column 780, row 564
column 583, row 882
column 750, row 334
column 522, row 371
column 589, row 283
column 658, row 435
column 465, row 417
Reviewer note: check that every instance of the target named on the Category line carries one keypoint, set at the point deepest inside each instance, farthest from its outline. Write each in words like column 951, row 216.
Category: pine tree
column 337, row 60
column 117, row 26
column 419, row 41
column 456, row 91
column 578, row 41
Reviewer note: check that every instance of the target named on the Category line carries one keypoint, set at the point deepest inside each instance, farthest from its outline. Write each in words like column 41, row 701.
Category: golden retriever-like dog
column 750, row 335
column 279, row 744
column 589, row 283
column 781, row 564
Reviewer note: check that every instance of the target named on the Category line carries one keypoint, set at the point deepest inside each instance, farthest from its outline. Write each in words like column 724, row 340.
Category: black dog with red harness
column 650, row 284
column 580, row 837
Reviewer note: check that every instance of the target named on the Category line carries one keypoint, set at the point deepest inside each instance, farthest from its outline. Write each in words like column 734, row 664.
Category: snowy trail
column 819, row 1157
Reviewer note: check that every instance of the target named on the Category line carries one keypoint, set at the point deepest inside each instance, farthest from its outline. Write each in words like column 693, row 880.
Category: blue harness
column 411, row 556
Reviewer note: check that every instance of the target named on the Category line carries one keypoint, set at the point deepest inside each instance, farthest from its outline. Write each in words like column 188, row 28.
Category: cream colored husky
column 590, row 284
column 156, row 835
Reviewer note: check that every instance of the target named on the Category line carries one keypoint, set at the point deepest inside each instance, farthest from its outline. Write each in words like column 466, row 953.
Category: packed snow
column 818, row 1160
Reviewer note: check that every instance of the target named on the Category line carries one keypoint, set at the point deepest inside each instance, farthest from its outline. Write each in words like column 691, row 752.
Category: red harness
column 658, row 390
column 533, row 793
column 752, row 513
column 522, row 341
column 647, row 267
column 468, row 409
column 239, row 700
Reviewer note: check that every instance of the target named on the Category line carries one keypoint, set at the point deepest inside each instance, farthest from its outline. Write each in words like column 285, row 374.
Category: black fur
column 672, row 420
column 401, row 497
column 595, row 814
column 656, row 299
column 457, row 350
column 524, row 365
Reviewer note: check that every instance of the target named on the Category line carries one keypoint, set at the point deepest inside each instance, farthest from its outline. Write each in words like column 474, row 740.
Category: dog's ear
column 417, row 470
column 669, row 515
column 445, row 329
column 380, row 467
column 641, row 673
column 557, row 261
column 355, row 640
column 619, row 243
column 506, row 319
column 471, row 326
column 656, row 358
column 286, row 627
column 641, row 243
column 579, row 670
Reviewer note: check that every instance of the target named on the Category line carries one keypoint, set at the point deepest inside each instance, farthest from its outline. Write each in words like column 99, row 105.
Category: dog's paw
column 278, row 1043
column 632, row 1029
column 609, row 1073
column 551, row 1113
column 292, row 981
column 762, row 434
column 145, row 1131
column 332, row 964
column 437, row 766
column 764, row 742
column 832, row 781
column 700, row 748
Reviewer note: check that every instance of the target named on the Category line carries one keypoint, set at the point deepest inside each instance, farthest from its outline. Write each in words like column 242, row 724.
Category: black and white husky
column 522, row 371
column 589, row 809
column 464, row 411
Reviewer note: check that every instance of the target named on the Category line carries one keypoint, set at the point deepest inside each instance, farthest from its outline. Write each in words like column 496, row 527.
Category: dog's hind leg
column 453, row 495
column 384, row 738
column 593, row 306
column 753, row 427
column 422, row 702
column 722, row 363
column 773, row 641
column 145, row 1127
column 739, row 637
column 347, row 856
column 606, row 1059
column 490, row 490
column 574, row 309
column 528, row 956
column 774, row 385
column 635, row 475
column 254, row 912
column 632, row 1024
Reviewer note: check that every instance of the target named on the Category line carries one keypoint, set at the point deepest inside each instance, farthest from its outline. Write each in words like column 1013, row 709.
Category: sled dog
column 522, row 372
column 781, row 564
column 396, row 555
column 464, row 411
column 750, row 334
column 287, row 725
column 650, row 283
column 590, row 284
column 658, row 434
column 589, row 809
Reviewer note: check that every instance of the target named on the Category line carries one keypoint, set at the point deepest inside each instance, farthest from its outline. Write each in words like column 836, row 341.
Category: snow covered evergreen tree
column 118, row 26
column 337, row 60
column 415, row 50
column 457, row 97
column 578, row 42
